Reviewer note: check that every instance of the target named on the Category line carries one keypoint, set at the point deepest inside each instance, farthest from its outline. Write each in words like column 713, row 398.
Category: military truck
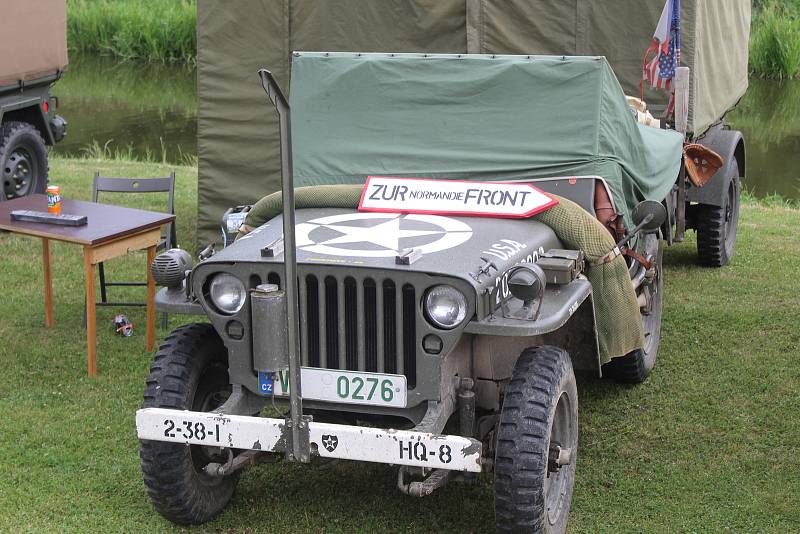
column 370, row 318
column 33, row 37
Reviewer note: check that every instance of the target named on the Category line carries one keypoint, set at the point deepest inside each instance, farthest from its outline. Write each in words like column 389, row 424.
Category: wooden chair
column 166, row 185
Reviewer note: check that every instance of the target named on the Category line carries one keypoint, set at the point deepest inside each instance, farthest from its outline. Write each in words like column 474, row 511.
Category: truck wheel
column 635, row 367
column 537, row 444
column 717, row 225
column 189, row 372
column 23, row 160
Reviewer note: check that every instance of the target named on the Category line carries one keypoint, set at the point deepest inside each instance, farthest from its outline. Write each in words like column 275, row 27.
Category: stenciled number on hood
column 500, row 290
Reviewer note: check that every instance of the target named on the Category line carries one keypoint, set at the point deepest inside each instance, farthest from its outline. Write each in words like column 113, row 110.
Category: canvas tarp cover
column 33, row 39
column 473, row 117
column 237, row 128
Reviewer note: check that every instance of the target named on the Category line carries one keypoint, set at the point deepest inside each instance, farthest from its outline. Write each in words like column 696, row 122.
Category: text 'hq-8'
column 461, row 244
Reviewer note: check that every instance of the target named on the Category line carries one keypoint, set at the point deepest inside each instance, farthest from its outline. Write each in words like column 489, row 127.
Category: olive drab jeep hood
column 449, row 246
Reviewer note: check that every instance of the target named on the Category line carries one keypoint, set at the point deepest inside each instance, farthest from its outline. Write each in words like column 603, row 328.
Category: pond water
column 769, row 117
column 147, row 110
column 150, row 111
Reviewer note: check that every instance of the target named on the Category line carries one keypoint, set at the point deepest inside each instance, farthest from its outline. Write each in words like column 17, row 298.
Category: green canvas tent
column 237, row 128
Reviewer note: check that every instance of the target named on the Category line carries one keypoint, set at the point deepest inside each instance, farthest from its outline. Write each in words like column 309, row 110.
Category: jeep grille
column 358, row 323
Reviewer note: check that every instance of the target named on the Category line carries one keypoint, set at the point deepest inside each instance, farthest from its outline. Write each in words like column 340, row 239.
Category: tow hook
column 558, row 457
column 422, row 488
column 235, row 463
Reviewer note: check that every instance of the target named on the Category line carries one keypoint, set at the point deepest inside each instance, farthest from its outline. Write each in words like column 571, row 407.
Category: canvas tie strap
column 638, row 257
column 608, row 258
column 624, row 251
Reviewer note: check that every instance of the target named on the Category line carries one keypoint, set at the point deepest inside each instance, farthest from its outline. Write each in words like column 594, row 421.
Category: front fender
column 566, row 319
column 177, row 302
column 730, row 145
column 29, row 110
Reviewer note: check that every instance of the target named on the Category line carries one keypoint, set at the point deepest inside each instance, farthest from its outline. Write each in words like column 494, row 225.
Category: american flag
column 666, row 44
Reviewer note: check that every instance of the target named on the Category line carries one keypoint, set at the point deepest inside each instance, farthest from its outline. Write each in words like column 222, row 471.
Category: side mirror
column 649, row 215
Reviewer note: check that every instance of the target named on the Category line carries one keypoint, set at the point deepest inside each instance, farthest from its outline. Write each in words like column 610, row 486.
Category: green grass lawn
column 711, row 442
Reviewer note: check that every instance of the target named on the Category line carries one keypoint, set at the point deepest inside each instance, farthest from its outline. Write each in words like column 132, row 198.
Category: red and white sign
column 453, row 197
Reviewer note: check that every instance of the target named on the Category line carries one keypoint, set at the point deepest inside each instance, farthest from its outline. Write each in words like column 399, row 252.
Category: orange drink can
column 54, row 199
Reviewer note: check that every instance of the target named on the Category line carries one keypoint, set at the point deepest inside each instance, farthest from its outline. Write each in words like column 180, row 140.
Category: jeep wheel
column 717, row 225
column 635, row 367
column 23, row 161
column 537, row 444
column 189, row 372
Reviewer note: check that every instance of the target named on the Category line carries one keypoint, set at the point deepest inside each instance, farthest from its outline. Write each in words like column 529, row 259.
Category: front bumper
column 345, row 442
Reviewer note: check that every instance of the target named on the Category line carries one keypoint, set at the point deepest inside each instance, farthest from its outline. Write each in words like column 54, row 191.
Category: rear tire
column 636, row 366
column 717, row 225
column 189, row 372
column 23, row 161
column 540, row 411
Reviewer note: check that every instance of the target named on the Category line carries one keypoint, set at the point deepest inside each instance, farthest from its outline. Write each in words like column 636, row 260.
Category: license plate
column 346, row 387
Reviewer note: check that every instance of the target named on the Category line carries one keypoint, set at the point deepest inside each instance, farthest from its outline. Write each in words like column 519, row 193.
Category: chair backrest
column 141, row 185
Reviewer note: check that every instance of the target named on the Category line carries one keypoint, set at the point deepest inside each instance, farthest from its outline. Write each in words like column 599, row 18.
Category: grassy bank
column 709, row 443
column 134, row 29
column 775, row 39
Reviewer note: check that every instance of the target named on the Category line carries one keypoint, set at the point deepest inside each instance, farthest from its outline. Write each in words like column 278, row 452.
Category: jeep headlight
column 445, row 306
column 227, row 293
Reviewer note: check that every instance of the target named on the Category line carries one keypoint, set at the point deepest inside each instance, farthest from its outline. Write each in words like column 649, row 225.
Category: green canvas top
column 474, row 117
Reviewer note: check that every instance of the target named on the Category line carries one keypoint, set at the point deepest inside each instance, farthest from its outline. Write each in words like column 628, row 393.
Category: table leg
column 91, row 317
column 48, row 284
column 151, row 295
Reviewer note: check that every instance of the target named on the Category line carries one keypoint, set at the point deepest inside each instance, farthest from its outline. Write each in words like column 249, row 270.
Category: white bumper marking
column 346, row 442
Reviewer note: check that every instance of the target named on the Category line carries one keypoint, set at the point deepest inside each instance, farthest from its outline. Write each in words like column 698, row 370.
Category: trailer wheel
column 635, row 367
column 537, row 444
column 23, row 160
column 189, row 372
column 717, row 225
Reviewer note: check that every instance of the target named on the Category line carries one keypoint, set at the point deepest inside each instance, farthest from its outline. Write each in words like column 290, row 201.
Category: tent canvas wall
column 237, row 128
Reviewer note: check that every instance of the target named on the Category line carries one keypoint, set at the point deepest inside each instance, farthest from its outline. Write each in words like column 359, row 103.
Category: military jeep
column 442, row 342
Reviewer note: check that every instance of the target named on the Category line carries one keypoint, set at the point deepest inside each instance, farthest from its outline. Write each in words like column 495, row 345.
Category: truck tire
column 23, row 161
column 635, row 367
column 189, row 372
column 717, row 225
column 533, row 491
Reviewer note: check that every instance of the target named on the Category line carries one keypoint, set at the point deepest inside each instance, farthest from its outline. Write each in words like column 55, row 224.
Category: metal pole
column 290, row 262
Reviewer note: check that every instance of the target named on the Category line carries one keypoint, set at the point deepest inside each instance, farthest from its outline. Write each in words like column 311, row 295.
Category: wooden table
column 111, row 231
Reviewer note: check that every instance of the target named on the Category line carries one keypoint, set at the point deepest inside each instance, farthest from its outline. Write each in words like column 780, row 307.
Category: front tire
column 533, row 489
column 189, row 372
column 23, row 161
